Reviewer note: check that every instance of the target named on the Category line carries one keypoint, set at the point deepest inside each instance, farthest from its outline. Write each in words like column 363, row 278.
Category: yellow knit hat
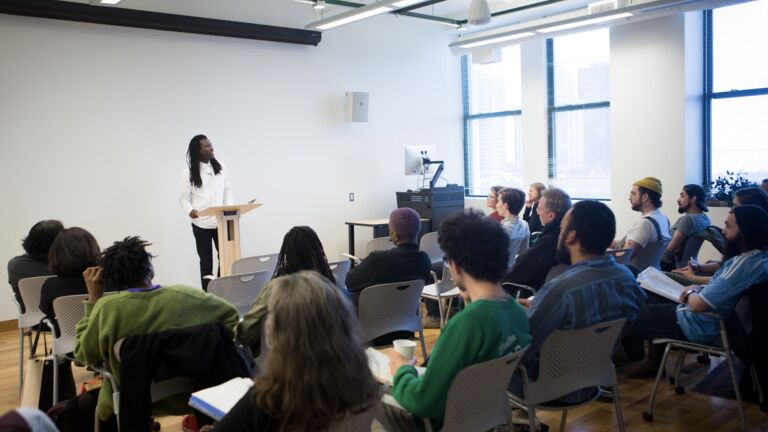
column 650, row 183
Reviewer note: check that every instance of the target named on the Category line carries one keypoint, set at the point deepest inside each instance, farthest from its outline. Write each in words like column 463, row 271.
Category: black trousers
column 203, row 238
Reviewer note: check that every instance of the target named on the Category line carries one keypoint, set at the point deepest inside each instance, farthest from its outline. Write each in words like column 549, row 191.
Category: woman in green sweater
column 492, row 325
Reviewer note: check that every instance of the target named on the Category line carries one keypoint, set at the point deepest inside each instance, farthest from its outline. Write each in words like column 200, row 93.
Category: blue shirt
column 721, row 294
column 589, row 292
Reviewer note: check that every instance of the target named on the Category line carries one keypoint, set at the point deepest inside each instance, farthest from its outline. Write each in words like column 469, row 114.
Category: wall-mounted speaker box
column 357, row 106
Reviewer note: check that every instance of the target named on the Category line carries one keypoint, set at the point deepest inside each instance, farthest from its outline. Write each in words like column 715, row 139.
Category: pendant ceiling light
column 479, row 12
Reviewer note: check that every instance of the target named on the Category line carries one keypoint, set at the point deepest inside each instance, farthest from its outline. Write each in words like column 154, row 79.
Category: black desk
column 380, row 229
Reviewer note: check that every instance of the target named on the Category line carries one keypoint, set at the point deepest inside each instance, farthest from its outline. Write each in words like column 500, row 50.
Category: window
column 493, row 152
column 578, row 73
column 736, row 90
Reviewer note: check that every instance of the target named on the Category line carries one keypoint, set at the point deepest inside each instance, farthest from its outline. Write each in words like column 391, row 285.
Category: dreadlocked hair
column 193, row 161
column 126, row 264
column 302, row 250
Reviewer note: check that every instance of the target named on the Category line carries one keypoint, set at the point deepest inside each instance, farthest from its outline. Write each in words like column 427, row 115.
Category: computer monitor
column 414, row 157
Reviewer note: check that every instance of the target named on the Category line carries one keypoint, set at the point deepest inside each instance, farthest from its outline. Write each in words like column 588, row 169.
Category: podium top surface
column 374, row 222
column 242, row 208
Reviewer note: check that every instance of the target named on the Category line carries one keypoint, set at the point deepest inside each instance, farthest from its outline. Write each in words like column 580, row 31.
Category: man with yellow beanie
column 645, row 198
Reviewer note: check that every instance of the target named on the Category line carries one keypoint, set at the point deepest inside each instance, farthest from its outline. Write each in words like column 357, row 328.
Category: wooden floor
column 689, row 412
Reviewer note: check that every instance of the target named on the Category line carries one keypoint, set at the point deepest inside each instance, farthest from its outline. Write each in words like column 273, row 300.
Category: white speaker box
column 357, row 106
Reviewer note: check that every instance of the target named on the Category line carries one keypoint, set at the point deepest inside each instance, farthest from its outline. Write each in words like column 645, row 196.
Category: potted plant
column 722, row 190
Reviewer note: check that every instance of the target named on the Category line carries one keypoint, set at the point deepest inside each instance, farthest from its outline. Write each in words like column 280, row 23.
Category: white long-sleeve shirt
column 215, row 191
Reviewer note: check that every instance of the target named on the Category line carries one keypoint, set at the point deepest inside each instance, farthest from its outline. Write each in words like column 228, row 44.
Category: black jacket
column 532, row 217
column 206, row 353
column 532, row 266
column 399, row 264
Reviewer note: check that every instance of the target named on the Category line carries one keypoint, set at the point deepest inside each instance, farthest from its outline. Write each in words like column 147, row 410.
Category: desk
column 380, row 229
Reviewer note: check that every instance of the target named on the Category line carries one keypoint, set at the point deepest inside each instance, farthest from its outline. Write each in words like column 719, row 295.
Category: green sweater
column 484, row 330
column 126, row 314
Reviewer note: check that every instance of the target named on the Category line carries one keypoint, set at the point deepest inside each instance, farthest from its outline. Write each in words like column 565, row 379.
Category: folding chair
column 30, row 289
column 378, row 244
column 429, row 244
column 255, row 264
column 391, row 307
column 622, row 256
column 690, row 250
column 340, row 270
column 241, row 289
column 516, row 289
column 441, row 290
column 69, row 311
column 649, row 256
column 572, row 360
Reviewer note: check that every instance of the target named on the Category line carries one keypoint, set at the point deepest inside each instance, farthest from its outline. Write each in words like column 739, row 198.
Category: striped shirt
column 721, row 294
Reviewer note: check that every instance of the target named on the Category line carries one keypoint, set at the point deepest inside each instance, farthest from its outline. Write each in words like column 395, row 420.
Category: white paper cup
column 405, row 347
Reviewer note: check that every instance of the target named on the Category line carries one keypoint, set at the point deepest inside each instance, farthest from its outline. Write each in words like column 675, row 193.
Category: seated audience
column 402, row 263
column 645, row 197
column 692, row 204
column 531, row 268
column 594, row 289
column 492, row 324
column 531, row 205
column 751, row 196
column 34, row 262
column 312, row 330
column 510, row 202
column 764, row 185
column 745, row 265
column 301, row 250
column 73, row 251
column 140, row 307
column 491, row 200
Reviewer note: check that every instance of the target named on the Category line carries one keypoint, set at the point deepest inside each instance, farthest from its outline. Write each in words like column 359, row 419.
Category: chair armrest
column 352, row 257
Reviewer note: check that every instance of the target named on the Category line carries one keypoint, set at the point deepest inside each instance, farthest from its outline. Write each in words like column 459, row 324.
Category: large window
column 492, row 134
column 578, row 72
column 736, row 90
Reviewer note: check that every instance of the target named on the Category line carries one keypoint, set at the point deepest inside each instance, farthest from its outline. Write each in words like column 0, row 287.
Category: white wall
column 96, row 121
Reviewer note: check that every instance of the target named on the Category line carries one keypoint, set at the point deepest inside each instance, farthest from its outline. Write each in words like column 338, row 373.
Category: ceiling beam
column 64, row 10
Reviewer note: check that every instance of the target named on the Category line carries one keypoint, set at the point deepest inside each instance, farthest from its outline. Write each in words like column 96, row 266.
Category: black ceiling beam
column 64, row 10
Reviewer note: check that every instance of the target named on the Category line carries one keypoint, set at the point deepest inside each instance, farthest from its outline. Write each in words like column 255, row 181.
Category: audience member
column 531, row 205
column 26, row 419
column 34, row 262
column 492, row 200
column 510, row 202
column 745, row 265
column 692, row 204
column 764, row 185
column 140, row 307
column 491, row 325
column 73, row 251
column 594, row 289
column 751, row 196
column 645, row 197
column 301, row 250
column 531, row 268
column 312, row 331
column 402, row 263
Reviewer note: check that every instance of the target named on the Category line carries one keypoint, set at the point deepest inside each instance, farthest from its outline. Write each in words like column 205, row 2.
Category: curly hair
column 476, row 244
column 513, row 198
column 127, row 264
column 316, row 369
column 302, row 250
column 40, row 238
column 595, row 225
column 73, row 251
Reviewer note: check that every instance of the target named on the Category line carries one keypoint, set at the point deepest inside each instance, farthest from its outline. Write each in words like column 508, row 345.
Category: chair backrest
column 255, row 264
column 477, row 398
column 390, row 307
column 69, row 311
column 340, row 270
column 691, row 250
column 356, row 422
column 30, row 289
column 446, row 283
column 241, row 289
column 621, row 256
column 429, row 245
column 575, row 359
column 378, row 244
column 650, row 255
column 556, row 271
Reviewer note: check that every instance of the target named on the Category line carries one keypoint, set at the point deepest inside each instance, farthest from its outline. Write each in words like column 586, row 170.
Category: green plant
column 724, row 187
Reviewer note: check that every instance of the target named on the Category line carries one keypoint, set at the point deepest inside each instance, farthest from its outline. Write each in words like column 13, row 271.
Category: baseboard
column 9, row 325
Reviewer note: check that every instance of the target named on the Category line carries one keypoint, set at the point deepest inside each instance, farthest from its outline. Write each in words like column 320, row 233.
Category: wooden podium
column 228, row 223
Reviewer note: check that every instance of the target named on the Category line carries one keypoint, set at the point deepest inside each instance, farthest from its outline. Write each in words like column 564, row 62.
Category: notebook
column 657, row 282
column 215, row 402
column 378, row 362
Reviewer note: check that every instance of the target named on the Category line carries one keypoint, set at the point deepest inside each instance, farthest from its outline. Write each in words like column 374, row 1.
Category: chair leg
column 617, row 403
column 21, row 360
column 742, row 418
column 442, row 312
column 756, row 384
column 679, row 367
column 648, row 415
column 531, row 418
column 55, row 380
column 423, row 344
column 563, row 419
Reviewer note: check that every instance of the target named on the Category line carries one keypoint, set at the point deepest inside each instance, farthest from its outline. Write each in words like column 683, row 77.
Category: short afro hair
column 476, row 244
column 127, row 264
column 595, row 225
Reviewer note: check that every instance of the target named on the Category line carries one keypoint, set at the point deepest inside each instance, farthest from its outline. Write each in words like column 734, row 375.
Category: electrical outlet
column 351, row 196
